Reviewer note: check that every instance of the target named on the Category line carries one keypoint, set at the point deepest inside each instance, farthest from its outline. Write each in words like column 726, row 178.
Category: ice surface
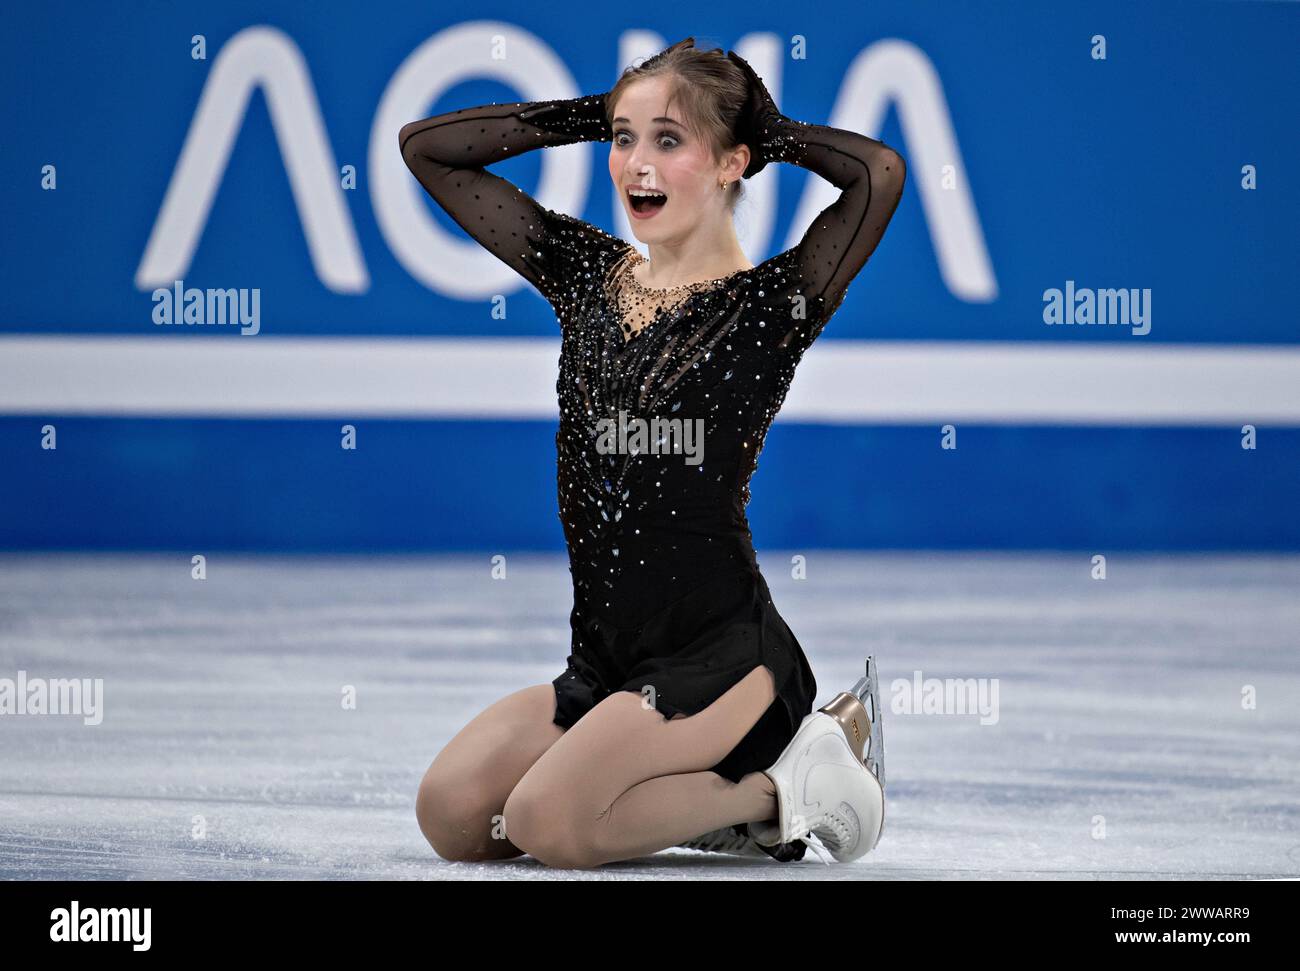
column 1118, row 699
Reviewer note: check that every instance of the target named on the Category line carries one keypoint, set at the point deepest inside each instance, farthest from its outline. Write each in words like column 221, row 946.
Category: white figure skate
column 829, row 784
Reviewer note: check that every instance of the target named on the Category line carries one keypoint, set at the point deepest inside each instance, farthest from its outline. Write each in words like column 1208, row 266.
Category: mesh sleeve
column 447, row 153
column 870, row 177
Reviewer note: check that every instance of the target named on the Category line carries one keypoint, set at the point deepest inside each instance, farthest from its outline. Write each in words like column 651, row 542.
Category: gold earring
column 724, row 185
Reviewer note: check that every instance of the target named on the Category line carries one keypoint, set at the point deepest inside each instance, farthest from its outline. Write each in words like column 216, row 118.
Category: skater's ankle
column 761, row 782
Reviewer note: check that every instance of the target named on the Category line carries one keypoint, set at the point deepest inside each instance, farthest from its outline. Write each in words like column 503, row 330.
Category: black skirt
column 689, row 654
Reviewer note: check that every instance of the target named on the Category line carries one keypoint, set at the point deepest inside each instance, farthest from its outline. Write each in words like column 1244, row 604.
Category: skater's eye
column 673, row 140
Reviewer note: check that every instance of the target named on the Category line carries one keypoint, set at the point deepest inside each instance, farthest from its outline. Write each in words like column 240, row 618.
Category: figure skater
column 684, row 717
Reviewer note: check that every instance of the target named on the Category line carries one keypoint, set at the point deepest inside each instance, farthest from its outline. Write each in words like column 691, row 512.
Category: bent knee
column 457, row 820
column 539, row 825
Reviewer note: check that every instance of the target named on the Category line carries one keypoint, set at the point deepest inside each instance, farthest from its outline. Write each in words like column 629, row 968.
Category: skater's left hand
column 758, row 119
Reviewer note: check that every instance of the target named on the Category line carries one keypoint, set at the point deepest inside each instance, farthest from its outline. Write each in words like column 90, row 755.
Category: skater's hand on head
column 584, row 117
column 758, row 119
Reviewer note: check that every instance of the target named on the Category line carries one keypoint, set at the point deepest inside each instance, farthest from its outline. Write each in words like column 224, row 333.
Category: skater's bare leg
column 625, row 782
column 462, row 798
column 666, row 811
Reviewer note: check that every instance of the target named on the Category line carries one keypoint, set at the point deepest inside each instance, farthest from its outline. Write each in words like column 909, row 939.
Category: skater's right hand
column 583, row 118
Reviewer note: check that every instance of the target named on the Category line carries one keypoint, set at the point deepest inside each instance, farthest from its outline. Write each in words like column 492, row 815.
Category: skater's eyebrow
column 671, row 121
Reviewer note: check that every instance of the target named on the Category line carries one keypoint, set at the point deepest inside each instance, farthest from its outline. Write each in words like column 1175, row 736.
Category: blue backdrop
column 1150, row 147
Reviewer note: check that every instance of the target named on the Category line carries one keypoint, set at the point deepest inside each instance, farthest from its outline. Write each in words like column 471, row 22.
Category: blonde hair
column 709, row 89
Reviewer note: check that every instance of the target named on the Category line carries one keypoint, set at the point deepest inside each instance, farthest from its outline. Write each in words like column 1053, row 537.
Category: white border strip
column 838, row 382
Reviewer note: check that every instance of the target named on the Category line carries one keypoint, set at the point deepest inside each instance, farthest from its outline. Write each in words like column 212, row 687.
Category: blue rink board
column 446, row 485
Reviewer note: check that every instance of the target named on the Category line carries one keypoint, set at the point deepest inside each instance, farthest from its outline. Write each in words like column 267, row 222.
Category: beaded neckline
column 638, row 285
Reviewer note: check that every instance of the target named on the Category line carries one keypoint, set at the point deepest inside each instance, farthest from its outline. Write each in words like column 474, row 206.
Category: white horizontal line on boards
column 837, row 382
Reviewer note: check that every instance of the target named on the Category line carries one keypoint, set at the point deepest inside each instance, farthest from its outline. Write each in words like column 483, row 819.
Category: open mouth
column 646, row 201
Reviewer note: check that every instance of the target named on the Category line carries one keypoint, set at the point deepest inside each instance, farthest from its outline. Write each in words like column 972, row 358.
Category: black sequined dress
column 668, row 597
